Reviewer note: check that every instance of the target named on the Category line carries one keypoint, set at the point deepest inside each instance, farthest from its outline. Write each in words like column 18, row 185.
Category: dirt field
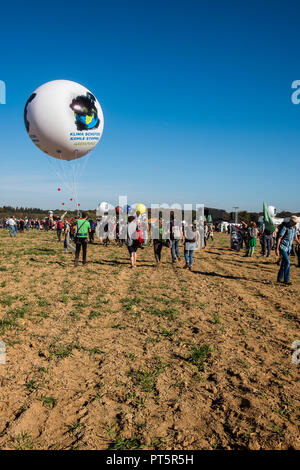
column 106, row 357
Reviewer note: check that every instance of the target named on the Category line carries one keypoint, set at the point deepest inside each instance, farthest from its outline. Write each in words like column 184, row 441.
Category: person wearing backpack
column 286, row 235
column 161, row 241
column 131, row 239
column 190, row 243
column 81, row 238
column 67, row 243
column 175, row 237
column 251, row 241
column 59, row 227
column 92, row 231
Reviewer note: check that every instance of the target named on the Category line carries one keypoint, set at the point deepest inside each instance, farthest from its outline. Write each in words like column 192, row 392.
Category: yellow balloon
column 141, row 208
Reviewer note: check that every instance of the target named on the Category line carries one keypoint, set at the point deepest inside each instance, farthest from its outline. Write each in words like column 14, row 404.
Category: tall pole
column 236, row 214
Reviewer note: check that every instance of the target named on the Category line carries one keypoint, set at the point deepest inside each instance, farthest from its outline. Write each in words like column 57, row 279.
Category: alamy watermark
column 295, row 97
column 2, row 352
column 161, row 218
column 296, row 353
column 2, row 92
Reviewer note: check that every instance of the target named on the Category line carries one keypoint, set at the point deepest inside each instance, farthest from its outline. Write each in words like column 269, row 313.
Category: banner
column 269, row 225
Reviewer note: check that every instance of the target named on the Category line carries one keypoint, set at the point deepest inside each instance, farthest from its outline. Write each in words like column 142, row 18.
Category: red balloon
column 71, row 199
column 58, row 189
column 79, row 204
column 63, row 203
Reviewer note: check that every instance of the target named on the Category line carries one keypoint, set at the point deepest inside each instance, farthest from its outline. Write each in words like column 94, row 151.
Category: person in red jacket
column 59, row 227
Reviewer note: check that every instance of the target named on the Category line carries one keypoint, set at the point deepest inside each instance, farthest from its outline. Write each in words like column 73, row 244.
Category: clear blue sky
column 196, row 98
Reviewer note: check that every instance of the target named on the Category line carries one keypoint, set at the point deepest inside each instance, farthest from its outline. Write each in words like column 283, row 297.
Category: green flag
column 268, row 220
column 209, row 218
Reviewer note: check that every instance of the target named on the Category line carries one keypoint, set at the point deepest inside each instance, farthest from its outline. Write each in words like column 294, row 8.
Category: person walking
column 67, row 243
column 190, row 243
column 161, row 241
column 251, row 240
column 11, row 222
column 82, row 229
column 92, row 231
column 175, row 237
column 286, row 235
column 266, row 243
column 131, row 241
column 59, row 227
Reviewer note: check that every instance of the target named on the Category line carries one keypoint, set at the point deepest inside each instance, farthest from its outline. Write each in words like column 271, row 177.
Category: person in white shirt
column 12, row 226
column 131, row 241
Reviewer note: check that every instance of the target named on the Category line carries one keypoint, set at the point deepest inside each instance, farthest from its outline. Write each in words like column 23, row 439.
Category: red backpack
column 139, row 235
column 59, row 225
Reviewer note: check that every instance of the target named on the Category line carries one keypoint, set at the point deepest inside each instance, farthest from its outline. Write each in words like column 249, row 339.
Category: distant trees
column 34, row 212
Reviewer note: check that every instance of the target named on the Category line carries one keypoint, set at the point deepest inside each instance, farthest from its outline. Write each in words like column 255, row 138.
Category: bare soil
column 106, row 357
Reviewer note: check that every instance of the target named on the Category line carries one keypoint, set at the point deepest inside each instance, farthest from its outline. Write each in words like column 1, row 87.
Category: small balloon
column 58, row 189
column 78, row 204
column 63, row 203
column 71, row 199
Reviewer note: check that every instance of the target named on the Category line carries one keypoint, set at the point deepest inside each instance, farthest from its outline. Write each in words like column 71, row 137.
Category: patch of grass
column 74, row 315
column 7, row 301
column 216, row 319
column 145, row 379
column 128, row 303
column 201, row 305
column 170, row 313
column 9, row 320
column 75, row 427
column 198, row 356
column 118, row 325
column 93, row 351
column 140, row 401
column 49, row 402
column 19, row 312
column 260, row 294
column 39, row 251
column 99, row 303
column 23, row 442
column 167, row 333
column 94, row 314
column 61, row 350
column 42, row 302
column 157, row 443
column 121, row 443
column 30, row 386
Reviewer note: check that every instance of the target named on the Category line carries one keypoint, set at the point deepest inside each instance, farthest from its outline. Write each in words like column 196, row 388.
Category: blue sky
column 196, row 98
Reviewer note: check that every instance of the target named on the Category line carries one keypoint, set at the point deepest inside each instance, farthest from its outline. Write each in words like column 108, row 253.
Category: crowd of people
column 281, row 240
column 138, row 232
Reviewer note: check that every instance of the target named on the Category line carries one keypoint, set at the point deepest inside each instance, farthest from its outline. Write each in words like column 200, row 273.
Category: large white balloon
column 64, row 119
column 102, row 209
column 272, row 211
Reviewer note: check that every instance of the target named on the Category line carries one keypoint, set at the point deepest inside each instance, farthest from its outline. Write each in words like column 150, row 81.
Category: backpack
column 176, row 232
column 139, row 235
column 280, row 227
column 190, row 232
column 252, row 232
column 59, row 225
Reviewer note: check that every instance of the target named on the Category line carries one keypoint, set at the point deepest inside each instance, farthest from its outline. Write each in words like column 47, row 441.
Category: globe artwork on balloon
column 86, row 114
